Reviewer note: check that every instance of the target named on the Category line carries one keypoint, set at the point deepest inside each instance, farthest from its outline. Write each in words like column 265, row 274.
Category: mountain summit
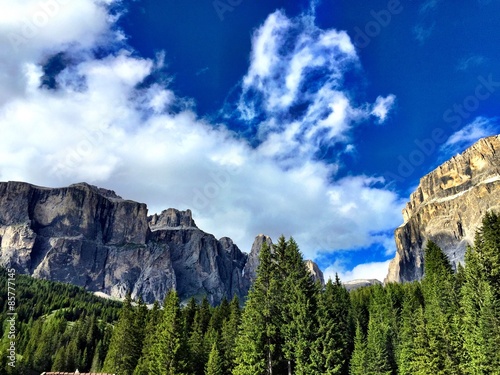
column 447, row 208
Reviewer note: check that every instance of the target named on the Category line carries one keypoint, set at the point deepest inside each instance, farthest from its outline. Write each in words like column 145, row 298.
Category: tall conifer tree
column 257, row 346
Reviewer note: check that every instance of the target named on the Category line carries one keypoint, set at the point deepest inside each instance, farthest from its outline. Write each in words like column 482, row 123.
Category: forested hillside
column 449, row 323
column 58, row 326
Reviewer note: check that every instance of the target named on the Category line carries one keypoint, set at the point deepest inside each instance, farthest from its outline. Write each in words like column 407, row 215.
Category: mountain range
column 91, row 237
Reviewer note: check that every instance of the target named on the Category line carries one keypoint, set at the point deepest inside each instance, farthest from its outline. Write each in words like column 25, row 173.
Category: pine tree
column 229, row 335
column 333, row 346
column 164, row 355
column 214, row 364
column 359, row 360
column 256, row 345
column 124, row 348
column 441, row 305
column 379, row 351
column 481, row 301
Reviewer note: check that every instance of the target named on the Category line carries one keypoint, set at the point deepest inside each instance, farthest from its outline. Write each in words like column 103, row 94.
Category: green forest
column 447, row 323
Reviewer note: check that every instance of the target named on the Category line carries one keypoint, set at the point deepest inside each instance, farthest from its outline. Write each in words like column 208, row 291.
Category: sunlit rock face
column 447, row 208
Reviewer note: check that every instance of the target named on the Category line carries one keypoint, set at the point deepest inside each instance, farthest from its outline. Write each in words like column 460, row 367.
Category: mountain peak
column 447, row 207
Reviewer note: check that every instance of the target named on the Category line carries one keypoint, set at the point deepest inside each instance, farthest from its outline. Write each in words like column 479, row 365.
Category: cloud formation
column 422, row 32
column 372, row 270
column 107, row 122
column 472, row 61
column 294, row 92
column 460, row 140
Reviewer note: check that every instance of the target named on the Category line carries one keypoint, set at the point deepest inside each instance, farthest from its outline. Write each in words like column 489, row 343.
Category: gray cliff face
column 93, row 238
column 249, row 272
column 447, row 208
column 315, row 272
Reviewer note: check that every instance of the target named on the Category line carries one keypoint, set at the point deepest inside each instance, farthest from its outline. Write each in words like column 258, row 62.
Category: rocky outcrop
column 249, row 272
column 315, row 271
column 360, row 283
column 93, row 238
column 447, row 208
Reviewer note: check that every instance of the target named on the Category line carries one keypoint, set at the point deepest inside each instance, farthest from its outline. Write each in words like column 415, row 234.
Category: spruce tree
column 124, row 348
column 214, row 364
column 197, row 349
column 164, row 354
column 257, row 342
column 359, row 360
column 333, row 345
column 229, row 335
column 298, row 308
column 407, row 356
column 441, row 305
column 481, row 300
column 150, row 332
column 379, row 350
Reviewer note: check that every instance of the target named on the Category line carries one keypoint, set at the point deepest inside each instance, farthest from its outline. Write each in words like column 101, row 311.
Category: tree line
column 447, row 323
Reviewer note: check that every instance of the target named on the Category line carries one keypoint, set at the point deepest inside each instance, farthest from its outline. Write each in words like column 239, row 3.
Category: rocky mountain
column 253, row 259
column 360, row 283
column 447, row 208
column 314, row 270
column 93, row 238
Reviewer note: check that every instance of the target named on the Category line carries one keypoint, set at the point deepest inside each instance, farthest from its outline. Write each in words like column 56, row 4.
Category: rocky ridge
column 360, row 283
column 93, row 238
column 447, row 208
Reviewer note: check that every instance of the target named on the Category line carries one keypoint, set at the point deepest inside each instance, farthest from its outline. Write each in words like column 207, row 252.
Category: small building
column 74, row 373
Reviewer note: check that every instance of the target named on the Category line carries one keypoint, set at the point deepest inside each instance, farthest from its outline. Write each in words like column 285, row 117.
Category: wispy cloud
column 471, row 61
column 294, row 93
column 428, row 6
column 422, row 32
column 382, row 107
column 479, row 128
column 202, row 71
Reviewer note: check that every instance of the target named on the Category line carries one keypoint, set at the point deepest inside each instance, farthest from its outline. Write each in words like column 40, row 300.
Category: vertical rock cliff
column 93, row 238
column 447, row 208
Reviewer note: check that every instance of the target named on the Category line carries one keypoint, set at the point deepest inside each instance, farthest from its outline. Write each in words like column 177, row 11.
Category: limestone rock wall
column 447, row 208
column 93, row 238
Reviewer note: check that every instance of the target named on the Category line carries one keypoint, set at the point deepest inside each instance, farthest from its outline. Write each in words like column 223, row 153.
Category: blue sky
column 311, row 119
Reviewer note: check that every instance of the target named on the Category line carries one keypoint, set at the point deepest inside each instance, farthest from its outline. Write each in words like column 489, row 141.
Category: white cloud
column 429, row 5
column 422, row 32
column 460, row 140
column 294, row 92
column 373, row 270
column 32, row 30
column 382, row 107
column 104, row 126
column 471, row 61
